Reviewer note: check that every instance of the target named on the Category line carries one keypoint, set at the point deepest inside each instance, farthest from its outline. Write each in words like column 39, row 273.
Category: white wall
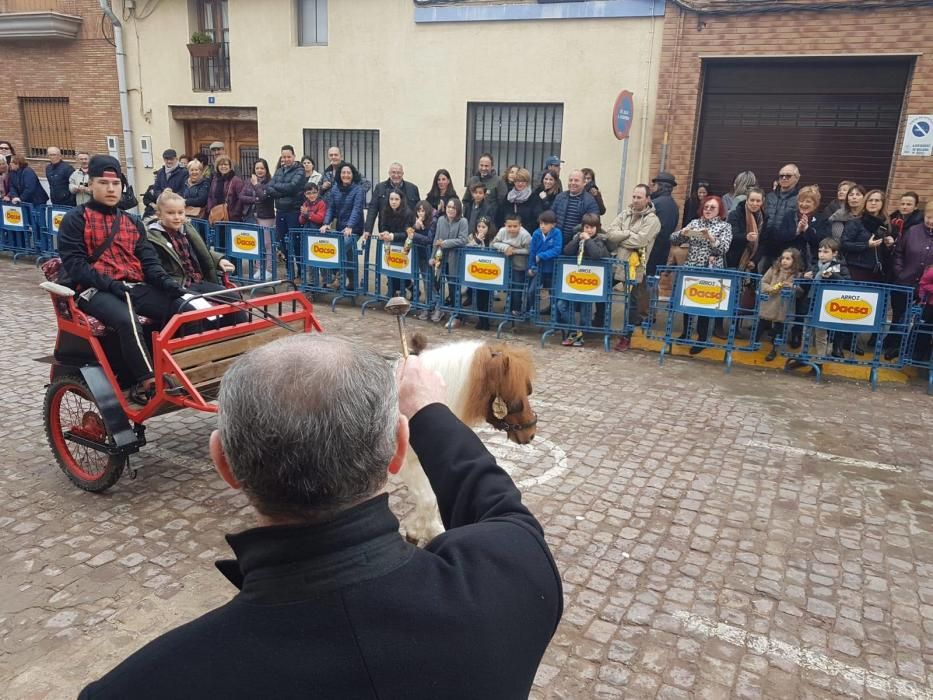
column 410, row 81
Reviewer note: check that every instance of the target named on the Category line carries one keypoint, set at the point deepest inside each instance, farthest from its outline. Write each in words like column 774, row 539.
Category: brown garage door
column 836, row 119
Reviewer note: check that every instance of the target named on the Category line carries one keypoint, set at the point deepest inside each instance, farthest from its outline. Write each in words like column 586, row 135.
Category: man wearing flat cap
column 666, row 209
column 108, row 258
column 170, row 176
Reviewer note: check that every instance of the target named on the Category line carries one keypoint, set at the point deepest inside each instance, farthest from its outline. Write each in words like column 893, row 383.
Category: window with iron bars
column 358, row 146
column 521, row 133
column 47, row 122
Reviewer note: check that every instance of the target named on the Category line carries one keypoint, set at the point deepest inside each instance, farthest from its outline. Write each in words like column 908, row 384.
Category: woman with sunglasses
column 708, row 239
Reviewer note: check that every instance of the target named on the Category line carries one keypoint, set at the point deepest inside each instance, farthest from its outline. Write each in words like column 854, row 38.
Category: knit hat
column 104, row 165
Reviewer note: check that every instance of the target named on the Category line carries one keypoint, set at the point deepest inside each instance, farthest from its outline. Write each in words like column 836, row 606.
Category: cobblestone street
column 745, row 535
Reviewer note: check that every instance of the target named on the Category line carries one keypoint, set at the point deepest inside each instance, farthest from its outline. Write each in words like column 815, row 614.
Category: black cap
column 169, row 153
column 665, row 176
column 102, row 165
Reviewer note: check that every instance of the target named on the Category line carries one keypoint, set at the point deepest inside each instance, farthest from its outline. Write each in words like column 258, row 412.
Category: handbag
column 218, row 213
column 63, row 276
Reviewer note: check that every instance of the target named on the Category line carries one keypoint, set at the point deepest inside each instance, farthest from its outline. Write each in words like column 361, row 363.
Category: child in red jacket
column 313, row 208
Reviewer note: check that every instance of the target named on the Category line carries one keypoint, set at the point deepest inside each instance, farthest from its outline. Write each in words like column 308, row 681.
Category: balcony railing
column 211, row 74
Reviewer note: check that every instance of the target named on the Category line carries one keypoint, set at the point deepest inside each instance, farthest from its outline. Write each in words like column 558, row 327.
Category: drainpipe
column 121, row 86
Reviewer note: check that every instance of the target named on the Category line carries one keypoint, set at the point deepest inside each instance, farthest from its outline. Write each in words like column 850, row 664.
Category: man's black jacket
column 348, row 609
column 381, row 192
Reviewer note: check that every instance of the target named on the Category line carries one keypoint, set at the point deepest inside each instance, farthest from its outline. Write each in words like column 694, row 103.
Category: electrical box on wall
column 145, row 150
column 113, row 146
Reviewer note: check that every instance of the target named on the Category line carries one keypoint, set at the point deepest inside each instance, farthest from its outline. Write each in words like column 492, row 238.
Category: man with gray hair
column 408, row 191
column 58, row 173
column 333, row 602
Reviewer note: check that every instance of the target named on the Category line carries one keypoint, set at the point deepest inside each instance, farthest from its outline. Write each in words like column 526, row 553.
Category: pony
column 486, row 382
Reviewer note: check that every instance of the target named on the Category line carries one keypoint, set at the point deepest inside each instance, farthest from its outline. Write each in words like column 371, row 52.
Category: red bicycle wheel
column 69, row 407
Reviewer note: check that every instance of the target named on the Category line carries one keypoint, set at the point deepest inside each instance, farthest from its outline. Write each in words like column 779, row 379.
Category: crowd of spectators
column 534, row 218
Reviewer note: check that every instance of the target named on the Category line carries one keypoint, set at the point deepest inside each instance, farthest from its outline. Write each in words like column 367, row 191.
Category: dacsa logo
column 848, row 308
column 704, row 293
column 323, row 250
column 57, row 220
column 583, row 280
column 486, row 270
column 14, row 217
column 397, row 260
column 245, row 242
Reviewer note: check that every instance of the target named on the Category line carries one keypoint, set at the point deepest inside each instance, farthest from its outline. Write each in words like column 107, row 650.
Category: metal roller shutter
column 837, row 119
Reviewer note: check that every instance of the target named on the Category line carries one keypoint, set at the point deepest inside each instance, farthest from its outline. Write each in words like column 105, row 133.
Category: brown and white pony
column 486, row 382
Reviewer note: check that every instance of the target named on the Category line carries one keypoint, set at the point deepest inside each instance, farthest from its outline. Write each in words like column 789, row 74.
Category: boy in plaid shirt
column 128, row 266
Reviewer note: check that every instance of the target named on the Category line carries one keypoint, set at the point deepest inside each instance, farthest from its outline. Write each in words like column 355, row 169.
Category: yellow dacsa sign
column 576, row 279
column 848, row 309
column 704, row 293
column 323, row 250
column 397, row 259
column 485, row 270
column 57, row 220
column 13, row 216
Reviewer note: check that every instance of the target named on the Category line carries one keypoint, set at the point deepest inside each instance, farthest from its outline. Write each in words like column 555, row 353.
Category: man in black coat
column 57, row 174
column 333, row 602
column 171, row 175
column 666, row 209
column 381, row 192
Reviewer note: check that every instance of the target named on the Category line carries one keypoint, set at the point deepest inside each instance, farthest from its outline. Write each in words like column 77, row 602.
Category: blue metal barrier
column 389, row 272
column 834, row 317
column 323, row 254
column 481, row 274
column 204, row 228
column 701, row 295
column 17, row 229
column 47, row 234
column 921, row 341
column 586, row 288
column 242, row 244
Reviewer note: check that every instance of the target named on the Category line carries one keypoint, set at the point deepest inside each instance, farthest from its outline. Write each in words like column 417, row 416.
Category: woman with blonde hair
column 196, row 190
column 182, row 251
column 520, row 201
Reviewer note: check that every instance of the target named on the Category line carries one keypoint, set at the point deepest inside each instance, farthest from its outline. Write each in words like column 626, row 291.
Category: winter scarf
column 518, row 196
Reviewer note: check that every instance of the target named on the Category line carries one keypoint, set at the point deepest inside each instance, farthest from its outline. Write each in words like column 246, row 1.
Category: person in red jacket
column 313, row 208
column 111, row 263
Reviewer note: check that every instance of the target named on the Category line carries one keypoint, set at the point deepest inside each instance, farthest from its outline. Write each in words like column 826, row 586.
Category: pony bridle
column 500, row 411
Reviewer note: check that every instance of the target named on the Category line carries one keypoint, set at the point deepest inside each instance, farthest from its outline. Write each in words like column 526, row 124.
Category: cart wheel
column 69, row 406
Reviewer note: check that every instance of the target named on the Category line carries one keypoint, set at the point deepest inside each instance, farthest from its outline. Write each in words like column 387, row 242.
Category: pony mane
column 496, row 369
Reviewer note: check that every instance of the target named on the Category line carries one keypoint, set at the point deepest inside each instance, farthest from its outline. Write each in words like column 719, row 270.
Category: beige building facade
column 392, row 80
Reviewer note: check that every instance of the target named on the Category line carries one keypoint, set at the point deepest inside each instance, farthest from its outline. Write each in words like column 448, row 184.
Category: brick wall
column 83, row 70
column 789, row 33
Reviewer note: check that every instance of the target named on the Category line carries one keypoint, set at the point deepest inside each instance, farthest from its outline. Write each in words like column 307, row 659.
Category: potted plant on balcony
column 203, row 46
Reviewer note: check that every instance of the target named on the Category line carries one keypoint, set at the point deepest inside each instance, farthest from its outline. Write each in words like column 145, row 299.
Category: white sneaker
column 258, row 275
column 268, row 275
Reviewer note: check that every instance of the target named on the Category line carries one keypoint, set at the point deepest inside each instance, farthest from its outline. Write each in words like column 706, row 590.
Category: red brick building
column 60, row 78
column 755, row 84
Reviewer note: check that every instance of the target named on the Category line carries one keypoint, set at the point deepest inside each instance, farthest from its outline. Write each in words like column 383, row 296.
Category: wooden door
column 241, row 139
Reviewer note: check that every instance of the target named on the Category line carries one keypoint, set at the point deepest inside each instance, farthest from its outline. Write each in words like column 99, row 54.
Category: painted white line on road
column 500, row 449
column 839, row 459
column 805, row 658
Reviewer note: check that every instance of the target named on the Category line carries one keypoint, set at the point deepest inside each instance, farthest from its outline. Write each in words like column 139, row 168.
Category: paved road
column 751, row 535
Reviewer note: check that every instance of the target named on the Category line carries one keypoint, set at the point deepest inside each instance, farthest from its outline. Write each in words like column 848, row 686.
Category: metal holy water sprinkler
column 398, row 307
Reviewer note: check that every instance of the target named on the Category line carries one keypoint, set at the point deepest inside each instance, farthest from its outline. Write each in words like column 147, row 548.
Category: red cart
column 92, row 426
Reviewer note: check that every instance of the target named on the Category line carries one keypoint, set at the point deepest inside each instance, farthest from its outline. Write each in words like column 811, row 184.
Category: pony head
column 500, row 384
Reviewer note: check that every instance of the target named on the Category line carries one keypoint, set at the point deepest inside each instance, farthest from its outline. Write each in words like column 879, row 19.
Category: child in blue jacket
column 546, row 244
